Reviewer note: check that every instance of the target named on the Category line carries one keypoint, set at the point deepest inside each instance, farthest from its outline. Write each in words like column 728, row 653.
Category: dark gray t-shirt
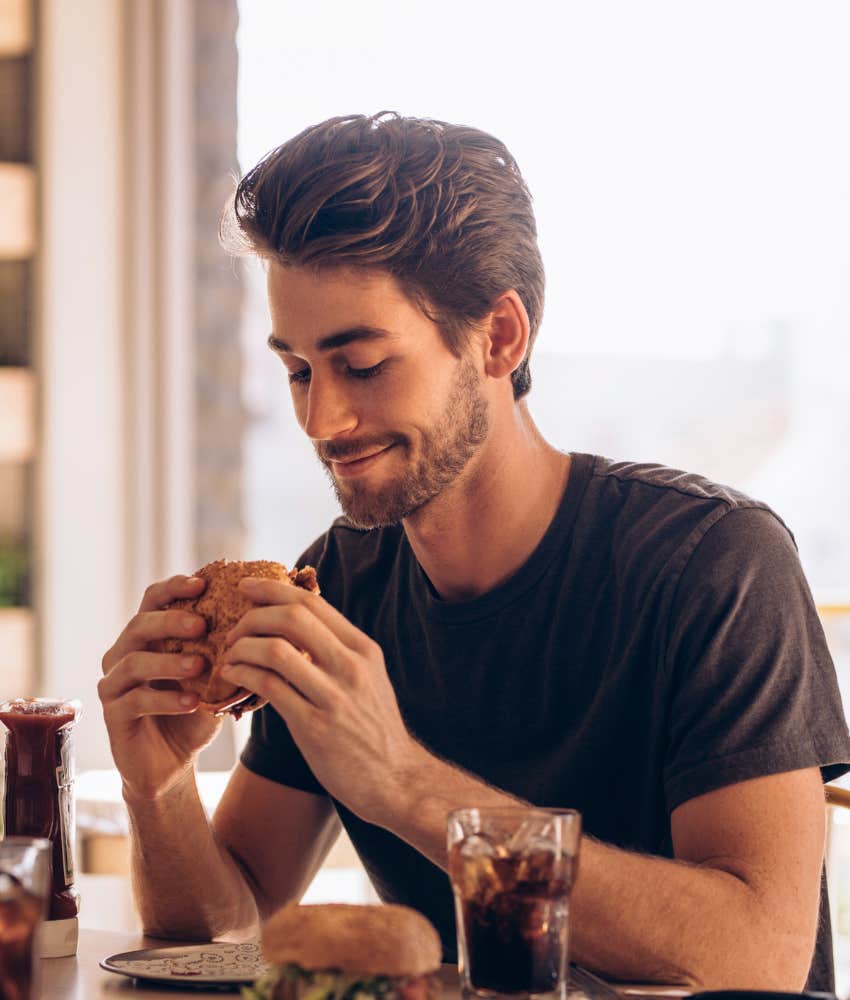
column 659, row 643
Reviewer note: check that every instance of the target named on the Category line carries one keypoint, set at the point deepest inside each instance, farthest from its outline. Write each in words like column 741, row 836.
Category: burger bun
column 222, row 604
column 369, row 940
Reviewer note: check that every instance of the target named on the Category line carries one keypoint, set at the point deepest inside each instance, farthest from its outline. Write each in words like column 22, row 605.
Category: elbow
column 201, row 934
column 183, row 932
column 760, row 965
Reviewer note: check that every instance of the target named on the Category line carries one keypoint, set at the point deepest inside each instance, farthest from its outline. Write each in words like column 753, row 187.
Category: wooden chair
column 836, row 796
column 837, row 801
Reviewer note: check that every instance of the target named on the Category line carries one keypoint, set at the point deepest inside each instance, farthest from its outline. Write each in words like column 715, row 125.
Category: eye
column 366, row 372
column 300, row 377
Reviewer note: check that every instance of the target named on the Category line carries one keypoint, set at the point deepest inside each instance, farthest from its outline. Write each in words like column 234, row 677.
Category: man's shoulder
column 655, row 480
column 660, row 514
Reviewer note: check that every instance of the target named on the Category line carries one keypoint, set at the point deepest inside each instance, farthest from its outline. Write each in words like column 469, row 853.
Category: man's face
column 394, row 416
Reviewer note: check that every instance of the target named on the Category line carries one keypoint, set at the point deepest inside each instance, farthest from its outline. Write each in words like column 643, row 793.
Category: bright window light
column 690, row 165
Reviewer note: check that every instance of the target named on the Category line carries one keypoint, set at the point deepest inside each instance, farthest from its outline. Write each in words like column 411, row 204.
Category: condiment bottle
column 39, row 802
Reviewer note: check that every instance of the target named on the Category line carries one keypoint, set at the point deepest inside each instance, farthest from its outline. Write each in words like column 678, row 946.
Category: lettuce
column 322, row 985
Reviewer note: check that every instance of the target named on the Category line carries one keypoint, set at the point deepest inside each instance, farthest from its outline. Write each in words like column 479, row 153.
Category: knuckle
column 287, row 615
column 335, row 704
column 136, row 623
column 299, row 613
column 279, row 650
column 353, row 673
column 131, row 701
column 106, row 663
column 370, row 647
column 140, row 700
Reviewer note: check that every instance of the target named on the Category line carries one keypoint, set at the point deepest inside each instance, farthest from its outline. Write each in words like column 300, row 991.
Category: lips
column 346, row 468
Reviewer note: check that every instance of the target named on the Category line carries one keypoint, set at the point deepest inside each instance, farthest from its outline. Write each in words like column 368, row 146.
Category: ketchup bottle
column 39, row 802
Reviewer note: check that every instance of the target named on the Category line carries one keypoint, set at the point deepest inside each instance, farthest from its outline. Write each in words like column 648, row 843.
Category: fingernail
column 188, row 664
column 187, row 700
column 227, row 670
column 248, row 582
column 190, row 623
column 194, row 579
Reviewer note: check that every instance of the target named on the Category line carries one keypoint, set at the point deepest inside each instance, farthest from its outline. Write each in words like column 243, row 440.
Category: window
column 690, row 174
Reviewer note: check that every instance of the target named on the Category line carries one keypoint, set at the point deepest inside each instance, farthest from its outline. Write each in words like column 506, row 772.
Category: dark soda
column 514, row 911
column 20, row 913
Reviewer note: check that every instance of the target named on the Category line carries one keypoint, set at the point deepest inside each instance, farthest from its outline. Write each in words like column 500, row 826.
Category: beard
column 445, row 450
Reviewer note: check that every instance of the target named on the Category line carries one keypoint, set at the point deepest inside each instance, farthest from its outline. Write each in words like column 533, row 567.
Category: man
column 500, row 620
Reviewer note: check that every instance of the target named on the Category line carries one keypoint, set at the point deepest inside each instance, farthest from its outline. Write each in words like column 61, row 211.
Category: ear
column 506, row 331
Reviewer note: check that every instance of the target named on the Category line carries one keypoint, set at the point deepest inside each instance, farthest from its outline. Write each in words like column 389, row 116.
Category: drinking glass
column 512, row 871
column 24, row 890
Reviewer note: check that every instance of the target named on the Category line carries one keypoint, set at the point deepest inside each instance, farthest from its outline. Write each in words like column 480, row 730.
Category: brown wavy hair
column 441, row 207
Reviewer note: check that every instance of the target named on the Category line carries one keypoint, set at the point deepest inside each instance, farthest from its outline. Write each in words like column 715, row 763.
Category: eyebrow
column 334, row 340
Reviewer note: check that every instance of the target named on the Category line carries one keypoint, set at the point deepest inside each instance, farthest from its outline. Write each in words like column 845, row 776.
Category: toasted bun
column 385, row 939
column 222, row 605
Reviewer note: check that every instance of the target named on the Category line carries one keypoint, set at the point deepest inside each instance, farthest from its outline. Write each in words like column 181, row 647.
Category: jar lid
column 58, row 938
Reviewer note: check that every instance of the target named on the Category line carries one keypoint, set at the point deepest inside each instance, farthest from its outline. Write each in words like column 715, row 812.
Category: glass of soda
column 24, row 891
column 512, row 870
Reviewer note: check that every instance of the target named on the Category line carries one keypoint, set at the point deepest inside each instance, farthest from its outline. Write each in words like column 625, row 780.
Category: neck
column 478, row 533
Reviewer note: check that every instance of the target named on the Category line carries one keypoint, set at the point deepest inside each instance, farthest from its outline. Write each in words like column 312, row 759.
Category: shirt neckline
column 552, row 544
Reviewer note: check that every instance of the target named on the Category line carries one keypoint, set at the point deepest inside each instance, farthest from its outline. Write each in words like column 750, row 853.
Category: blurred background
column 690, row 165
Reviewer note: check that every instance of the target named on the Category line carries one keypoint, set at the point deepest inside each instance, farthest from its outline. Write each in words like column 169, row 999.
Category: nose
column 327, row 410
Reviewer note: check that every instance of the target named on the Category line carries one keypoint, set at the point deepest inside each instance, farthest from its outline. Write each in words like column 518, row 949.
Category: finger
column 164, row 591
column 275, row 655
column 265, row 592
column 144, row 668
column 285, row 696
column 147, row 626
column 142, row 701
column 302, row 628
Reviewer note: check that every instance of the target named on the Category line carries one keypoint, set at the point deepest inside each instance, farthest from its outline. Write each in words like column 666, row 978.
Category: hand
column 340, row 708
column 155, row 729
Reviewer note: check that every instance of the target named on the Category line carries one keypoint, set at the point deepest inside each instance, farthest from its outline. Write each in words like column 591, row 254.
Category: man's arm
column 738, row 907
column 196, row 881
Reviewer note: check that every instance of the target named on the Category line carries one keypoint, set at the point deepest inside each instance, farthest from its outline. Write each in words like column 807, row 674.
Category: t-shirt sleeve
column 753, row 687
column 270, row 750
column 272, row 753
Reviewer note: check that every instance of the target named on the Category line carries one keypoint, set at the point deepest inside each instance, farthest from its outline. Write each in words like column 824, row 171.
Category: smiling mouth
column 345, row 468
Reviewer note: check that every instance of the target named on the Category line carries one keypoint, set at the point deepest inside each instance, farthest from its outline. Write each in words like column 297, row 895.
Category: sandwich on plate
column 343, row 951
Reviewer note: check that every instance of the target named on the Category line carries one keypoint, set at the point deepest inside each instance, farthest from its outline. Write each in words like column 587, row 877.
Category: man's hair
column 443, row 208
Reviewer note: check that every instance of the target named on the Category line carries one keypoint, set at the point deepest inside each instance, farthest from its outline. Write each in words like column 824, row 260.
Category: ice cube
column 472, row 866
column 477, row 845
column 537, row 861
column 530, row 829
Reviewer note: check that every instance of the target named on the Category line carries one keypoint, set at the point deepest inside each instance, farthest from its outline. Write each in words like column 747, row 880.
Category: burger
column 342, row 951
column 222, row 604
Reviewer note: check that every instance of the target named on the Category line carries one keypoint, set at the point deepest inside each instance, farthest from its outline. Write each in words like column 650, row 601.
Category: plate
column 192, row 964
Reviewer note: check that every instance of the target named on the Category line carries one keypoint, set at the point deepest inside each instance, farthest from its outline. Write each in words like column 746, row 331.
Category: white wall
column 114, row 315
column 81, row 540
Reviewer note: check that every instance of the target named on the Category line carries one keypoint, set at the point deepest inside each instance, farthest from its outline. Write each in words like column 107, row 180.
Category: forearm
column 643, row 918
column 187, row 886
column 636, row 917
